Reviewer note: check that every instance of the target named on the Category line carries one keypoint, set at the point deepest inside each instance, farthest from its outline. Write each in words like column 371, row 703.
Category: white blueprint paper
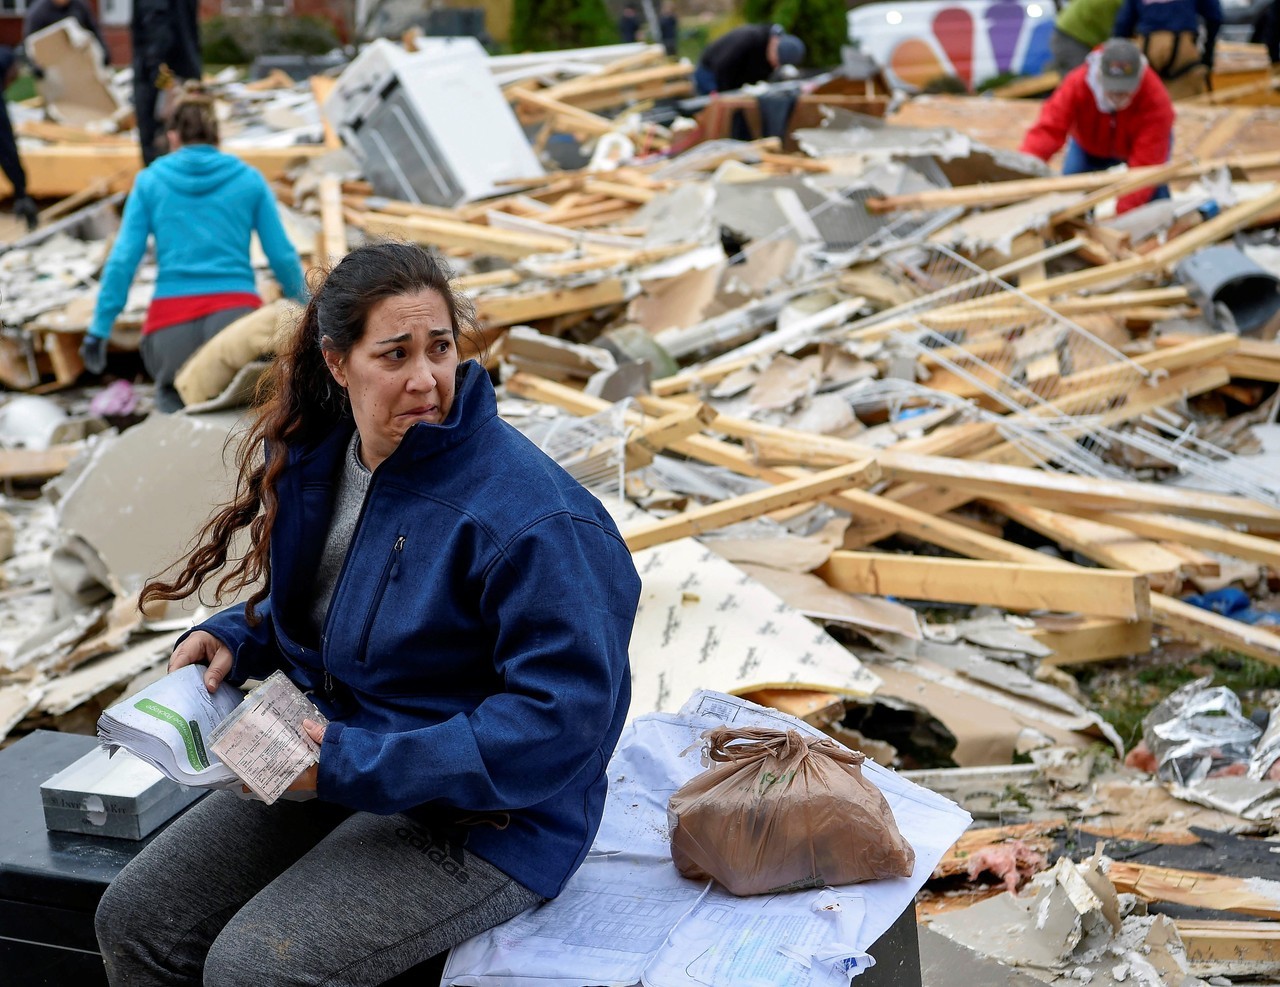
column 628, row 917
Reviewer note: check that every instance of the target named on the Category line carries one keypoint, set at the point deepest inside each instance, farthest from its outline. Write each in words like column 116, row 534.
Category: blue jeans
column 1078, row 160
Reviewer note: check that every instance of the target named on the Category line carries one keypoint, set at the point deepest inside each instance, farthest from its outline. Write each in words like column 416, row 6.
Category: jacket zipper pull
column 328, row 684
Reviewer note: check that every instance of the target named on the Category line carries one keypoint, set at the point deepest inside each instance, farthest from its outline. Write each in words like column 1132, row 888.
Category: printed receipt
column 262, row 740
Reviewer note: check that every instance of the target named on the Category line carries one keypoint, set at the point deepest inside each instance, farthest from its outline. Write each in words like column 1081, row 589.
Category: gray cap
column 790, row 50
column 1120, row 66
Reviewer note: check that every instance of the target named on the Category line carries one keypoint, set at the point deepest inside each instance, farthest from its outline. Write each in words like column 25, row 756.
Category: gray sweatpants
column 239, row 893
column 1067, row 52
column 166, row 350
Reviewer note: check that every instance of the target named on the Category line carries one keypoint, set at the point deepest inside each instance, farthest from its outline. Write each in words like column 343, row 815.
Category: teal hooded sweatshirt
column 201, row 206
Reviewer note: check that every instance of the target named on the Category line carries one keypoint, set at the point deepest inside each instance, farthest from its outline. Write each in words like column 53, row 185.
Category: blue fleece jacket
column 473, row 663
column 1140, row 17
column 201, row 206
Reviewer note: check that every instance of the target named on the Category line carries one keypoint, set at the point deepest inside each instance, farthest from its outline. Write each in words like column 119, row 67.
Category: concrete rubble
column 906, row 434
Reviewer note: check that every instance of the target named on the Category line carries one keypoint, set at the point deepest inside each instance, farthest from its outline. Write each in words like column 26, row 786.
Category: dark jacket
column 166, row 32
column 739, row 57
column 10, row 163
column 1143, row 18
column 44, row 13
column 474, row 658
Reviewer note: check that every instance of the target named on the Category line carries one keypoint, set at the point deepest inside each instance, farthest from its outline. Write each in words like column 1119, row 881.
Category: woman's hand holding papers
column 201, row 647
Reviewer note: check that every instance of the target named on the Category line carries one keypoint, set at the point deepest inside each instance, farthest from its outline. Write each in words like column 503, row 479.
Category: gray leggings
column 166, row 350
column 240, row 893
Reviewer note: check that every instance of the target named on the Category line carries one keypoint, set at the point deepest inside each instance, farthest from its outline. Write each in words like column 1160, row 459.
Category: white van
column 918, row 41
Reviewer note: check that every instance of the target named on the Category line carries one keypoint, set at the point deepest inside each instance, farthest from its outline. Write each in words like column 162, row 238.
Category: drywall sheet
column 74, row 87
column 140, row 500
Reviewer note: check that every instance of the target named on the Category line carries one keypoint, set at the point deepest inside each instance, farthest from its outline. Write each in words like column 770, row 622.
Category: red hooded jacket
column 1137, row 135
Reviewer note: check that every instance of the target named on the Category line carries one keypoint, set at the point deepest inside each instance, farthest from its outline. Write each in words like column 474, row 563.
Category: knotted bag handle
column 727, row 744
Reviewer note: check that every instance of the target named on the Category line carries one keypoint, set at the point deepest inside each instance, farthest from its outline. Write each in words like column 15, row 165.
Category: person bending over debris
column 1113, row 109
column 201, row 206
column 460, row 608
column 46, row 13
column 163, row 33
column 23, row 205
column 745, row 55
column 1169, row 32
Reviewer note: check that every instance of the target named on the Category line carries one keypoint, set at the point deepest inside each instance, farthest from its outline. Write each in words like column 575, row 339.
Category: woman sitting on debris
column 460, row 610
column 201, row 206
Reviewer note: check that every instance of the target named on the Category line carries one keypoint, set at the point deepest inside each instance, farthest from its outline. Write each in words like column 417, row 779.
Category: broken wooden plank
column 1248, row 896
column 1237, row 544
column 332, row 243
column 1127, row 181
column 1011, row 585
column 754, row 504
column 440, row 232
column 646, row 443
column 1215, row 630
column 321, row 87
column 1022, row 485
column 59, row 170
column 1217, row 948
column 1087, row 639
column 37, row 464
column 1016, row 190
column 1116, row 548
column 495, row 310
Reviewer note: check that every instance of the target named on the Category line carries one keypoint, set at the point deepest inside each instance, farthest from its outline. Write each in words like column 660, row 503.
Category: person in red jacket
column 1113, row 109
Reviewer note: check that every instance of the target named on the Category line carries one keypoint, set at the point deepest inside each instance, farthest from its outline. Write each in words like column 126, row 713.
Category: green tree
column 544, row 25
column 823, row 25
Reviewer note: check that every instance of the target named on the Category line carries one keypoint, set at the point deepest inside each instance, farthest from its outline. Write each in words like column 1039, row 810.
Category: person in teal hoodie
column 457, row 606
column 201, row 206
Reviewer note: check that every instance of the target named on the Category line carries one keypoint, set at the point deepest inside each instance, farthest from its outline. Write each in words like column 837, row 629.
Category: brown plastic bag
column 782, row 812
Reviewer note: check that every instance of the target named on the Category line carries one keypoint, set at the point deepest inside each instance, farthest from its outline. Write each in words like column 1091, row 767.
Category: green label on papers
column 189, row 731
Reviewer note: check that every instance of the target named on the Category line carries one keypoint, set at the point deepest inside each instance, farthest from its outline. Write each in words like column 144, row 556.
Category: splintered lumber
column 36, row 464
column 1010, row 585
column 1088, row 639
column 1130, row 182
column 1248, row 896
column 59, row 170
column 1237, row 544
column 332, row 243
column 1254, row 359
column 1193, row 624
column 1232, row 949
column 643, row 445
column 1022, row 485
column 1221, row 226
column 734, row 509
column 565, row 115
column 1116, row 548
column 438, row 232
column 1211, row 628
column 1002, row 193
column 494, row 310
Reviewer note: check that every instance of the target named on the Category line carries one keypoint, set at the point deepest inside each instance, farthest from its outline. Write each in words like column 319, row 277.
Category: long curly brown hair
column 298, row 404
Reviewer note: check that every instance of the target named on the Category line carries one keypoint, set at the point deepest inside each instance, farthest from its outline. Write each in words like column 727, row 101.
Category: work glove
column 93, row 351
column 25, row 208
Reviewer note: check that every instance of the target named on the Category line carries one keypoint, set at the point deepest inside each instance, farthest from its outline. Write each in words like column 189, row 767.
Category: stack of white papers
column 168, row 725
column 628, row 917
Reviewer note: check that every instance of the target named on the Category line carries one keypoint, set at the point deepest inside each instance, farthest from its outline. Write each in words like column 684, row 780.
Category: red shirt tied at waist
column 165, row 312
